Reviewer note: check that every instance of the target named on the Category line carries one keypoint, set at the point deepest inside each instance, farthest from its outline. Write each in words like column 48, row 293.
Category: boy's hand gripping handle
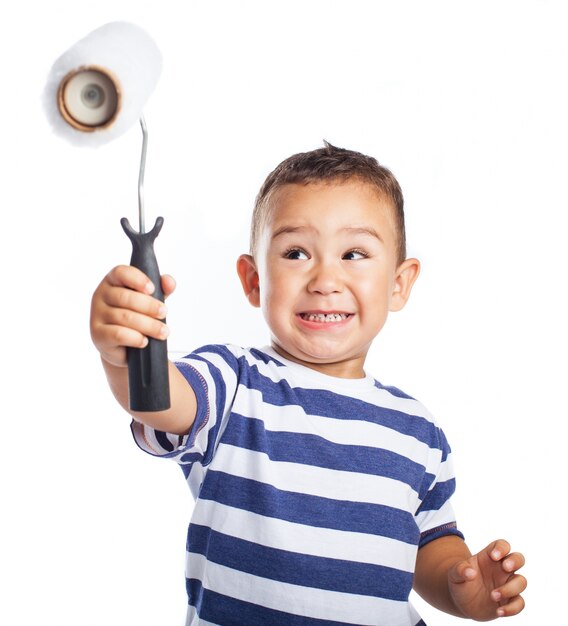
column 148, row 380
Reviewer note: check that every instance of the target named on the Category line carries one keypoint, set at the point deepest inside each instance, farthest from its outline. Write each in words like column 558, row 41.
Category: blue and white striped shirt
column 313, row 493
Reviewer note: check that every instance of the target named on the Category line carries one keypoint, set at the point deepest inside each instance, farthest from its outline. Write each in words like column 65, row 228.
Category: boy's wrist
column 435, row 569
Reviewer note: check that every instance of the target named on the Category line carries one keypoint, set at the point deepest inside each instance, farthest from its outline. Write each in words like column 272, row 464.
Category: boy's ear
column 405, row 277
column 246, row 269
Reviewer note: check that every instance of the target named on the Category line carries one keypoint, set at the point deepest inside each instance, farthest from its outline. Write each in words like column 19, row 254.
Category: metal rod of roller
column 141, row 214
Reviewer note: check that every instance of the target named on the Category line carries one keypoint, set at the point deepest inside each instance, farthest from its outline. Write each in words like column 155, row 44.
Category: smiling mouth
column 325, row 317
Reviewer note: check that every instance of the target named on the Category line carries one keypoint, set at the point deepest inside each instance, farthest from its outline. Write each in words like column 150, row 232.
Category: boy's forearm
column 431, row 574
column 176, row 420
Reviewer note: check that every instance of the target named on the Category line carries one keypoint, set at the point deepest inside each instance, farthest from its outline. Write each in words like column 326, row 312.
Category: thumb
column 168, row 285
column 462, row 572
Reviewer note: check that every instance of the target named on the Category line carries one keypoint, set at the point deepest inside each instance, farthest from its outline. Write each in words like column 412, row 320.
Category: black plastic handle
column 148, row 379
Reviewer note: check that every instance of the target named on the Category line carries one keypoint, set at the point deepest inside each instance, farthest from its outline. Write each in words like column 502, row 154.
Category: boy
column 322, row 497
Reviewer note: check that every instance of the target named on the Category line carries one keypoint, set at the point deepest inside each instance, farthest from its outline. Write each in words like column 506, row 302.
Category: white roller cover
column 129, row 55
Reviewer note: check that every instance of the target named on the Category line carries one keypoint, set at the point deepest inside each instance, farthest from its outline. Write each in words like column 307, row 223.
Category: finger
column 513, row 562
column 137, row 322
column 112, row 342
column 512, row 588
column 129, row 300
column 125, row 337
column 498, row 549
column 131, row 277
column 513, row 607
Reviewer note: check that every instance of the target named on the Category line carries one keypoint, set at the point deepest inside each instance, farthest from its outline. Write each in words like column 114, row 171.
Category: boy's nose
column 325, row 280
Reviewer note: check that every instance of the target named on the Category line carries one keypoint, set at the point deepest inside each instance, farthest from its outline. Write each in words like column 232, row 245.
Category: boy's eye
column 354, row 255
column 295, row 254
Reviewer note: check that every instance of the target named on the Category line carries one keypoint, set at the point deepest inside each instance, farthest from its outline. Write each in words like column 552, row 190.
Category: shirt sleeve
column 212, row 372
column 435, row 516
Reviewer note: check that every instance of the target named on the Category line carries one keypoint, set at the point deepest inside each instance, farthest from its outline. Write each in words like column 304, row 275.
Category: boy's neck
column 349, row 368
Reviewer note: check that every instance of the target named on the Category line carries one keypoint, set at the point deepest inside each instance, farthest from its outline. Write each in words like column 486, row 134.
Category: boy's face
column 326, row 273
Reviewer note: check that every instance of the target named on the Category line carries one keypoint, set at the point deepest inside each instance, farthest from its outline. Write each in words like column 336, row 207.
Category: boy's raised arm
column 124, row 314
column 482, row 587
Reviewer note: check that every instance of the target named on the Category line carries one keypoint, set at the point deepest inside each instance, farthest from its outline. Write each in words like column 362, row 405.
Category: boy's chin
column 327, row 362
column 305, row 357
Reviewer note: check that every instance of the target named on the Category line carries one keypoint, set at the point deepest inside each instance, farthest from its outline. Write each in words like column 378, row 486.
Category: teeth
column 321, row 317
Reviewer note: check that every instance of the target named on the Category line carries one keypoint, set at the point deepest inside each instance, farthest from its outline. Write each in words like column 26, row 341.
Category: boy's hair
column 329, row 164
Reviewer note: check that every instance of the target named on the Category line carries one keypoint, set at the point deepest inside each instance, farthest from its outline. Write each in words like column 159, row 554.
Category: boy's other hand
column 486, row 585
column 124, row 313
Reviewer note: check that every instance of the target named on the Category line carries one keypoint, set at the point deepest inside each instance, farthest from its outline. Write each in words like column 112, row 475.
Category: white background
column 465, row 101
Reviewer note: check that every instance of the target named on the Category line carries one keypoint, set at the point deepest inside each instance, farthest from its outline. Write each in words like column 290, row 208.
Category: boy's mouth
column 324, row 317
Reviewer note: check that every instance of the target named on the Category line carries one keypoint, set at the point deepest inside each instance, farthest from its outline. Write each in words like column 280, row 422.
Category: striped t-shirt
column 313, row 493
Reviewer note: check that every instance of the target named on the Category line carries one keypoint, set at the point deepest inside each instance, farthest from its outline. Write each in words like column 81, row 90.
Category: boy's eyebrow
column 363, row 230
column 353, row 230
column 284, row 230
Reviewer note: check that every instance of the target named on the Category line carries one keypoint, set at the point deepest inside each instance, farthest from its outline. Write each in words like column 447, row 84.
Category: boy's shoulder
column 280, row 383
column 234, row 354
column 267, row 363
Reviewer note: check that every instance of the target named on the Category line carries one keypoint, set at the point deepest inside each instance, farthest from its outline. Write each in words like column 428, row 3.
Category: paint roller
column 95, row 92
